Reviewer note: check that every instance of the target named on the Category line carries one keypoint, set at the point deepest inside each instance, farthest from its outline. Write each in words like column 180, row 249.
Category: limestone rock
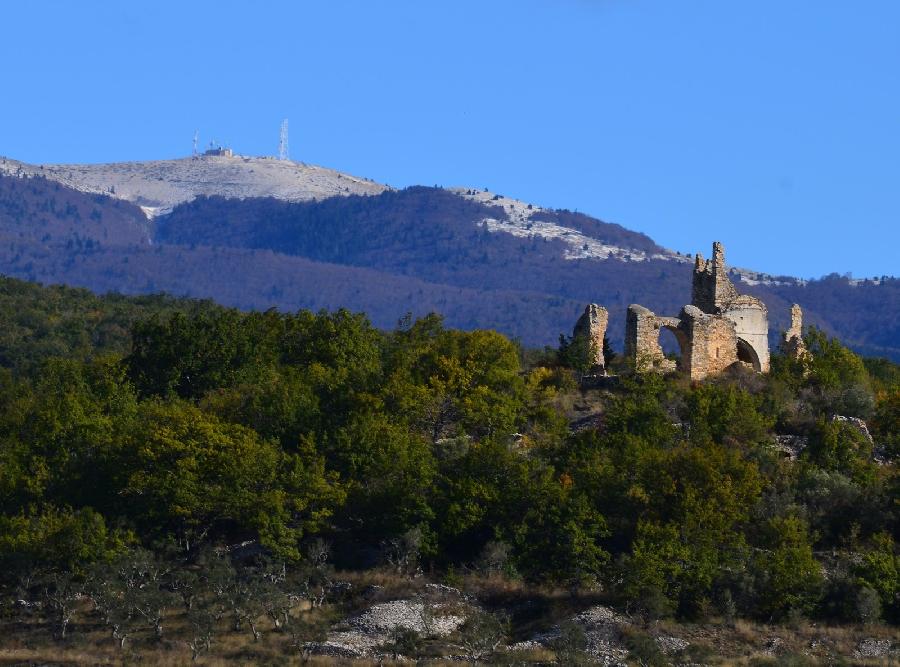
column 873, row 648
column 361, row 635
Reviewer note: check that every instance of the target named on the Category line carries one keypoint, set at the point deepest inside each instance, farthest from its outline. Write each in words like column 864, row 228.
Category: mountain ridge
column 531, row 269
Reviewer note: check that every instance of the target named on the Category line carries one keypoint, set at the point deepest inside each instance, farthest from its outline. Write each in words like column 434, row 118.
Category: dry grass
column 532, row 609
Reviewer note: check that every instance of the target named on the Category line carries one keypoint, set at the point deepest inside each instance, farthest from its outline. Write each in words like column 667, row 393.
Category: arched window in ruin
column 674, row 342
column 747, row 354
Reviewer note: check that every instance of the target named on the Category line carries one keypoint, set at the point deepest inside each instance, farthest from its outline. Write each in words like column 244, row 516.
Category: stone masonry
column 718, row 329
column 592, row 326
column 792, row 341
column 642, row 327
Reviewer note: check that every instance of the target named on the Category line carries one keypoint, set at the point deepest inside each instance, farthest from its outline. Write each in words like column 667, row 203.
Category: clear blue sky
column 772, row 125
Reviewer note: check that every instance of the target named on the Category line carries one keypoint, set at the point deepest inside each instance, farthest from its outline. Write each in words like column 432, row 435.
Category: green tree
column 789, row 576
column 189, row 473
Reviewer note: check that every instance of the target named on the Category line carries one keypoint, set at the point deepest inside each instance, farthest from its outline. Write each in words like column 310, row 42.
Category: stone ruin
column 718, row 329
column 592, row 326
column 792, row 341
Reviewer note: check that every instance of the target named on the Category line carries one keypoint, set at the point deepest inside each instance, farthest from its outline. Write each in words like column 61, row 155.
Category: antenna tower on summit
column 196, row 140
column 283, row 141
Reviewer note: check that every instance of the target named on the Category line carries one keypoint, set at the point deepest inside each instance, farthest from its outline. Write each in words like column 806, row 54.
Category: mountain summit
column 160, row 185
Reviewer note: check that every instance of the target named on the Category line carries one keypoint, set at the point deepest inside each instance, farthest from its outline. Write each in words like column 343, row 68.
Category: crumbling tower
column 792, row 342
column 712, row 289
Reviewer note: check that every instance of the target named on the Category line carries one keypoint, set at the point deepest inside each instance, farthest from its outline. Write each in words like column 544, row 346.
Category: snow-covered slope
column 521, row 220
column 158, row 186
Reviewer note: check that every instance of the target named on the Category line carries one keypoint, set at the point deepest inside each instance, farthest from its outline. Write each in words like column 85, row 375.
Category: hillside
column 481, row 259
column 186, row 483
column 159, row 185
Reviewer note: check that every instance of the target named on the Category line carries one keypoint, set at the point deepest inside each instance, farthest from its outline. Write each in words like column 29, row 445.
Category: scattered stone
column 407, row 614
column 361, row 635
column 856, row 423
column 333, row 649
column 602, row 629
column 873, row 648
column 790, row 445
column 668, row 644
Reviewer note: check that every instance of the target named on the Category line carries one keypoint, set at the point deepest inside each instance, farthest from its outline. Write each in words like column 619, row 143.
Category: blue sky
column 773, row 126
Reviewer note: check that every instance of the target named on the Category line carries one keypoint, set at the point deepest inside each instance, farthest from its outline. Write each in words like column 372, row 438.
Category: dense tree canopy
column 134, row 424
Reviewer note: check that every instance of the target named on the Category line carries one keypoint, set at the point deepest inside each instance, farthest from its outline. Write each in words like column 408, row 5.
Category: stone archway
column 747, row 354
column 684, row 345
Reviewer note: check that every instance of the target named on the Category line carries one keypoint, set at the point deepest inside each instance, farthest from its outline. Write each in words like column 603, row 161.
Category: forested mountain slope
column 481, row 260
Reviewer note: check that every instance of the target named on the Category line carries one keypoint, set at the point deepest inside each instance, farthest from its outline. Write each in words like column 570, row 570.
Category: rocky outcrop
column 790, row 445
column 854, row 422
column 362, row 635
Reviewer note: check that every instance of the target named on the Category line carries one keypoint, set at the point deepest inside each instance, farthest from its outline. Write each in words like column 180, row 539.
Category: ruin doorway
column 673, row 343
column 747, row 354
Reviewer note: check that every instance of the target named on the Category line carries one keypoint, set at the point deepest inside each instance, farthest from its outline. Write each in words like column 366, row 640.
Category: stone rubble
column 790, row 445
column 361, row 635
column 873, row 648
column 603, row 630
column 668, row 644
column 856, row 423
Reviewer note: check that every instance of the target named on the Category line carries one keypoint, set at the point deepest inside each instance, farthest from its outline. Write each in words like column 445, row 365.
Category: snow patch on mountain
column 158, row 186
column 520, row 222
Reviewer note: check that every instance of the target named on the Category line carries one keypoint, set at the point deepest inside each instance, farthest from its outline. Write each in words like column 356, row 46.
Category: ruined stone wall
column 592, row 326
column 718, row 329
column 712, row 289
column 792, row 342
column 713, row 343
column 642, row 340
column 751, row 324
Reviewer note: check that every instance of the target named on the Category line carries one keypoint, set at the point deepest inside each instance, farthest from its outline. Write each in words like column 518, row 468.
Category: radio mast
column 283, row 141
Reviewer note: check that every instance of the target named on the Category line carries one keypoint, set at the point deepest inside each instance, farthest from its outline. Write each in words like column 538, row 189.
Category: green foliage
column 788, row 573
column 840, row 447
column 879, row 571
column 62, row 538
column 831, row 365
column 576, row 352
column 436, row 448
column 187, row 472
